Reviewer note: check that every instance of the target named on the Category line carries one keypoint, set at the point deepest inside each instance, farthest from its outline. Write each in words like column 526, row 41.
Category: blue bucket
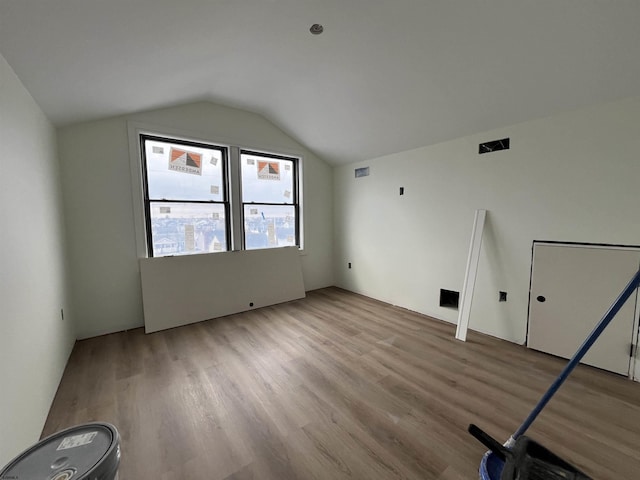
column 491, row 467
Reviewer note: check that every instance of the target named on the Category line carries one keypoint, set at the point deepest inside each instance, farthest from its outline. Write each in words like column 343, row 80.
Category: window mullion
column 237, row 217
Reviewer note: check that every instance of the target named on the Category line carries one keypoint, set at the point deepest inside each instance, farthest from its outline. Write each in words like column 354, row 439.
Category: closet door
column 571, row 289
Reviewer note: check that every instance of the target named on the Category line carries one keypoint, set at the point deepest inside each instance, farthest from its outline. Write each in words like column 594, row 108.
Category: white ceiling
column 385, row 76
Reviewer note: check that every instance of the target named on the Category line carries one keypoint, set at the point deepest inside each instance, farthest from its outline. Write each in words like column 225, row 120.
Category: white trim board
column 470, row 275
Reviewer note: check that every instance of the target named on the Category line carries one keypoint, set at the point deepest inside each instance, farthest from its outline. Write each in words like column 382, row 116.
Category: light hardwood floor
column 335, row 386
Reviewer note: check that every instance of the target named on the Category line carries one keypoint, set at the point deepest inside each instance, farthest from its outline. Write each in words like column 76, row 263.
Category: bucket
column 85, row 452
column 490, row 467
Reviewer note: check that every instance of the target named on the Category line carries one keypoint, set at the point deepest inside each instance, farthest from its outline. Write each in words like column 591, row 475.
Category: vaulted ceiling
column 385, row 76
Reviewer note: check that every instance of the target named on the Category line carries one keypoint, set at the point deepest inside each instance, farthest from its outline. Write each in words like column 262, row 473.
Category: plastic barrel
column 85, row 452
column 491, row 467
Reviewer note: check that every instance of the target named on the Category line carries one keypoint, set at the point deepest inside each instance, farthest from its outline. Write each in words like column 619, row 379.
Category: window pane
column 268, row 226
column 266, row 179
column 183, row 172
column 186, row 228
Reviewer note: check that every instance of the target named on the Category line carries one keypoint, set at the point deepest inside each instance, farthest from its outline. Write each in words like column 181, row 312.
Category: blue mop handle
column 613, row 310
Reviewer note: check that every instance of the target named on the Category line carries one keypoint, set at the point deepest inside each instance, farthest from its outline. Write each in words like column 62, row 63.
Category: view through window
column 269, row 200
column 185, row 197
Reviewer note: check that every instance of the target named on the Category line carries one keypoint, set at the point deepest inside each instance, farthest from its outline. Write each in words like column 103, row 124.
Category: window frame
column 147, row 201
column 233, row 145
column 295, row 196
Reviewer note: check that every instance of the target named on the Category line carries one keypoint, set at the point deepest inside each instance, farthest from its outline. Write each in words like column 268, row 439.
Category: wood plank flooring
column 335, row 386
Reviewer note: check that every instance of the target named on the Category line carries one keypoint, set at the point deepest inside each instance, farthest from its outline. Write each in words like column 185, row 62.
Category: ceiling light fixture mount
column 316, row 29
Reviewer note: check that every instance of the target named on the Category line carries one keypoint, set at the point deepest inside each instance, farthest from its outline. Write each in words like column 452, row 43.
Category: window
column 202, row 198
column 185, row 197
column 269, row 200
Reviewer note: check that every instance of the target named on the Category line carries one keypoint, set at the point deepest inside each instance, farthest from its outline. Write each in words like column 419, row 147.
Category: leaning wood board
column 187, row 289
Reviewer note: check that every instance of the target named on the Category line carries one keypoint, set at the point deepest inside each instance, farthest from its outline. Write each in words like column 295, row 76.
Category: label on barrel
column 77, row 441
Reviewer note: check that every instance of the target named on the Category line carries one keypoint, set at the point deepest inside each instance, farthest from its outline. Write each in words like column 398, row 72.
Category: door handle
column 541, row 299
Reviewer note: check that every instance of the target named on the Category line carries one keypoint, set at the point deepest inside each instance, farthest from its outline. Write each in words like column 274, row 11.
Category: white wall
column 36, row 342
column 572, row 177
column 99, row 206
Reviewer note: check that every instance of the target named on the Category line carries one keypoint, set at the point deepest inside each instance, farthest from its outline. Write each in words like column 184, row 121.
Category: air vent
column 494, row 146
column 362, row 172
column 449, row 298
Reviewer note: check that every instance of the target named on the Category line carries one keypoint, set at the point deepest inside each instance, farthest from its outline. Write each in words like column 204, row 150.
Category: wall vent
column 493, row 146
column 362, row 172
column 449, row 298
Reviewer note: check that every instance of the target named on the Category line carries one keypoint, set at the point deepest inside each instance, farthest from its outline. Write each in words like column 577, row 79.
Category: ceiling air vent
column 493, row 146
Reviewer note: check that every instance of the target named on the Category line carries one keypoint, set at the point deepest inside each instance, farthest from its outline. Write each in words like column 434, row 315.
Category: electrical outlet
column 502, row 296
column 349, row 264
column 62, row 314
